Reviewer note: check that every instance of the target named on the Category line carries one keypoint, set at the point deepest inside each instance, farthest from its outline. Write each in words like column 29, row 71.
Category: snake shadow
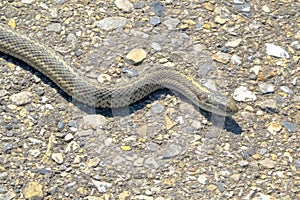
column 227, row 123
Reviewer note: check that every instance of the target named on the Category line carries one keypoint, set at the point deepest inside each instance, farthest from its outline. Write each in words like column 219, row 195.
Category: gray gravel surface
column 162, row 147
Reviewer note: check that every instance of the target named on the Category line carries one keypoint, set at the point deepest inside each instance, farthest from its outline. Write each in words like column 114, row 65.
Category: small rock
column 69, row 137
column 157, row 108
column 291, row 127
column 233, row 43
column 157, row 7
column 266, row 88
column 8, row 147
column 222, row 57
column 124, row 5
column 94, row 162
column 136, row 55
column 3, row 189
column 268, row 163
column 60, row 126
column 28, row 1
column 155, row 46
column 94, row 120
column 287, row 90
column 8, row 195
column 202, row 179
column 54, row 27
column 171, row 23
column 72, row 146
column 244, row 163
column 155, row 21
column 204, row 69
column 243, row 94
column 220, row 20
column 33, row 190
column 3, row 93
column 274, row 127
column 130, row 72
column 103, row 78
column 235, row 177
column 102, row 186
column 276, row 51
column 269, row 105
column 196, row 124
column 111, row 23
column 236, row 60
column 22, row 98
column 265, row 73
column 138, row 162
column 171, row 151
column 57, row 157
column 266, row 9
column 152, row 162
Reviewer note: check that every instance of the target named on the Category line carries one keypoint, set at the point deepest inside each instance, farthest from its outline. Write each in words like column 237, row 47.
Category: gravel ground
column 162, row 147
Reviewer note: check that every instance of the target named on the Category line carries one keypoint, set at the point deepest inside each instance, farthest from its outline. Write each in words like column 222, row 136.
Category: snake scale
column 79, row 88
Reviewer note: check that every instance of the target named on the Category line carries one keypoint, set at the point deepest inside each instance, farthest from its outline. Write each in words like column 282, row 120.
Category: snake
column 80, row 88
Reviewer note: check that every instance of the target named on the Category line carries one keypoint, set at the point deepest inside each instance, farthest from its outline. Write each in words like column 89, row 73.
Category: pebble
column 233, row 43
column 103, row 78
column 266, row 88
column 3, row 189
column 221, row 57
column 276, row 51
column 202, row 179
column 35, row 152
column 69, row 137
column 124, row 5
column 139, row 5
column 8, row 147
column 130, row 72
column 269, row 105
column 111, row 23
column 155, row 46
column 155, row 21
column 33, row 190
column 152, row 162
column 136, row 56
column 60, row 126
column 22, row 98
column 157, row 7
column 138, row 162
column 57, row 157
column 268, row 163
column 8, row 195
column 102, row 186
column 243, row 94
column 28, row 1
column 274, row 128
column 171, row 151
column 54, row 27
column 287, row 90
column 157, row 108
column 94, row 120
column 291, row 127
column 265, row 73
column 204, row 69
column 236, row 60
column 220, row 20
column 3, row 93
column 171, row 23
column 243, row 163
column 60, row 1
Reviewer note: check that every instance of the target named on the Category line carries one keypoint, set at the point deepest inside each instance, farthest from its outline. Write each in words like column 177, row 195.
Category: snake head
column 218, row 103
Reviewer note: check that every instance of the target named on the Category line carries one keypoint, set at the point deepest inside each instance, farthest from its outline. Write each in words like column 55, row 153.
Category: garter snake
column 78, row 87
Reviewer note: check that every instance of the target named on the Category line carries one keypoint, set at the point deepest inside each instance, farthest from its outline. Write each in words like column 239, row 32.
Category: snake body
column 78, row 87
